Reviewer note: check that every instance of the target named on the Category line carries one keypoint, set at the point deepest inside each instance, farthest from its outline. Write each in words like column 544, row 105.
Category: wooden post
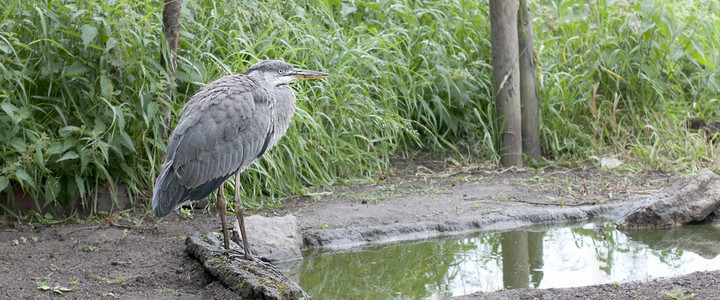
column 171, row 26
column 506, row 78
column 528, row 84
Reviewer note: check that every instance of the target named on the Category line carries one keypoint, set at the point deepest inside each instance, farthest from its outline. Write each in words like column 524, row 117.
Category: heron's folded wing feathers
column 222, row 131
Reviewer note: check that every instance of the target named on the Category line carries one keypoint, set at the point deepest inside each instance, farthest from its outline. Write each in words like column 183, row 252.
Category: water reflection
column 522, row 258
column 701, row 240
column 547, row 257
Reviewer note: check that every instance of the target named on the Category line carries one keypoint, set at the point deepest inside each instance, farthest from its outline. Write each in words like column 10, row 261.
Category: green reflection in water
column 540, row 257
column 400, row 271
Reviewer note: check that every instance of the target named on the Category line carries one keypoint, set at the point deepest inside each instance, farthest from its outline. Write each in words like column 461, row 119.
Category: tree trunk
column 506, row 75
column 171, row 26
column 528, row 84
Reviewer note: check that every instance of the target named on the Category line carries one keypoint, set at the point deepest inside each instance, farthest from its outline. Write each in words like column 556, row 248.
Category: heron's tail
column 168, row 192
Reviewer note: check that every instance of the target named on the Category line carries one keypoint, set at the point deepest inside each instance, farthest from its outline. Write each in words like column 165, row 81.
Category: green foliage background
column 81, row 84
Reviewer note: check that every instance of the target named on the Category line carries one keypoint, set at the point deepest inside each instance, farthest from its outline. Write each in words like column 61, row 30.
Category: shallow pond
column 537, row 257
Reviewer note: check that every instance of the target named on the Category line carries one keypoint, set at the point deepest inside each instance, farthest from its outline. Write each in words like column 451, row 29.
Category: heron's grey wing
column 227, row 127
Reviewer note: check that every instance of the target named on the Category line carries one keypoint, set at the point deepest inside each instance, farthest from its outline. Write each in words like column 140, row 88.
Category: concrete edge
column 340, row 238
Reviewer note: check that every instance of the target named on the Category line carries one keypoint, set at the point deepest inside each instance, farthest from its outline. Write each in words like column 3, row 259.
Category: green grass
column 624, row 78
column 45, row 285
column 81, row 84
column 678, row 294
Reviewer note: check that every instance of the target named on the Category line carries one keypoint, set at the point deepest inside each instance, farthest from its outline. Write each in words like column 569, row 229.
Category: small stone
column 610, row 162
column 272, row 239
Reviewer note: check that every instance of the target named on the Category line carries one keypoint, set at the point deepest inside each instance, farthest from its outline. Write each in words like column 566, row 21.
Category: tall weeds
column 78, row 92
column 624, row 77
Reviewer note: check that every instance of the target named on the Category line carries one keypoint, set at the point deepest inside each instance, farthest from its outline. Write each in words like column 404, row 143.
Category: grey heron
column 226, row 126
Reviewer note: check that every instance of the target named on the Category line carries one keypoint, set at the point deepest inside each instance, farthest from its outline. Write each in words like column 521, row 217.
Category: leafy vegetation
column 624, row 77
column 44, row 285
column 81, row 84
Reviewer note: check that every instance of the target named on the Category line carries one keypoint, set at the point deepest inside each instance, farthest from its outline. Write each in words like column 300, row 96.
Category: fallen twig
column 557, row 204
column 426, row 172
column 133, row 227
column 85, row 228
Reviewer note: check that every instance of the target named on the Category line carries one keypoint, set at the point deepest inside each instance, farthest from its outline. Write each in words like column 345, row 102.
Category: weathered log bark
column 171, row 26
column 528, row 84
column 506, row 78
column 250, row 279
column 689, row 200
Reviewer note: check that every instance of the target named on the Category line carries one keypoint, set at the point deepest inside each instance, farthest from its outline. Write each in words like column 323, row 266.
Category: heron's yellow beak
column 300, row 74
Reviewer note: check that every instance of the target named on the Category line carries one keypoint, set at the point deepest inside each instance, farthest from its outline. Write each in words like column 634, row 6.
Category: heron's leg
column 240, row 213
column 222, row 205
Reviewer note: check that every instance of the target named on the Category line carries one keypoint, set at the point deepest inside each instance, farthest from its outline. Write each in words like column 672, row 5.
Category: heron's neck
column 284, row 110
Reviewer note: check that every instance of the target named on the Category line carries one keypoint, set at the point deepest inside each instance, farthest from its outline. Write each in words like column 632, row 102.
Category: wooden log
column 692, row 199
column 250, row 279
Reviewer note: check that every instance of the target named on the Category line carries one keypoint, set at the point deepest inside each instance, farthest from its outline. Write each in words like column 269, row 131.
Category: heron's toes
column 229, row 252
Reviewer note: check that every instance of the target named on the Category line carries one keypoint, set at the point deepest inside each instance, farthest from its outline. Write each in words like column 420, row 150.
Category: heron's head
column 275, row 73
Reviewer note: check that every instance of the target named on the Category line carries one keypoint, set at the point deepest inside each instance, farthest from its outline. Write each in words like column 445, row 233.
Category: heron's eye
column 280, row 71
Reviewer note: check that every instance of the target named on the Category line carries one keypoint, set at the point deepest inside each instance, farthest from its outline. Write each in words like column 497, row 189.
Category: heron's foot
column 235, row 253
column 229, row 252
column 248, row 256
column 240, row 254
column 237, row 239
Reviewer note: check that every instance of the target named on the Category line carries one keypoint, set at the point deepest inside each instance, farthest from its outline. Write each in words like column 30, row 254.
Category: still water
column 536, row 257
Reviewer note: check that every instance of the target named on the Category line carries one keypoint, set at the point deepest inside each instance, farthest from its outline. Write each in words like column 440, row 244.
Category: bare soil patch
column 145, row 258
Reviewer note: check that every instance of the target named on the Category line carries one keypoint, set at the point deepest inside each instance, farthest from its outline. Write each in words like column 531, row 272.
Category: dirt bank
column 145, row 258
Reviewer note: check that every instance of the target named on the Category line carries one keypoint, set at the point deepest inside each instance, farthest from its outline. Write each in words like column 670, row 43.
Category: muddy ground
column 132, row 255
